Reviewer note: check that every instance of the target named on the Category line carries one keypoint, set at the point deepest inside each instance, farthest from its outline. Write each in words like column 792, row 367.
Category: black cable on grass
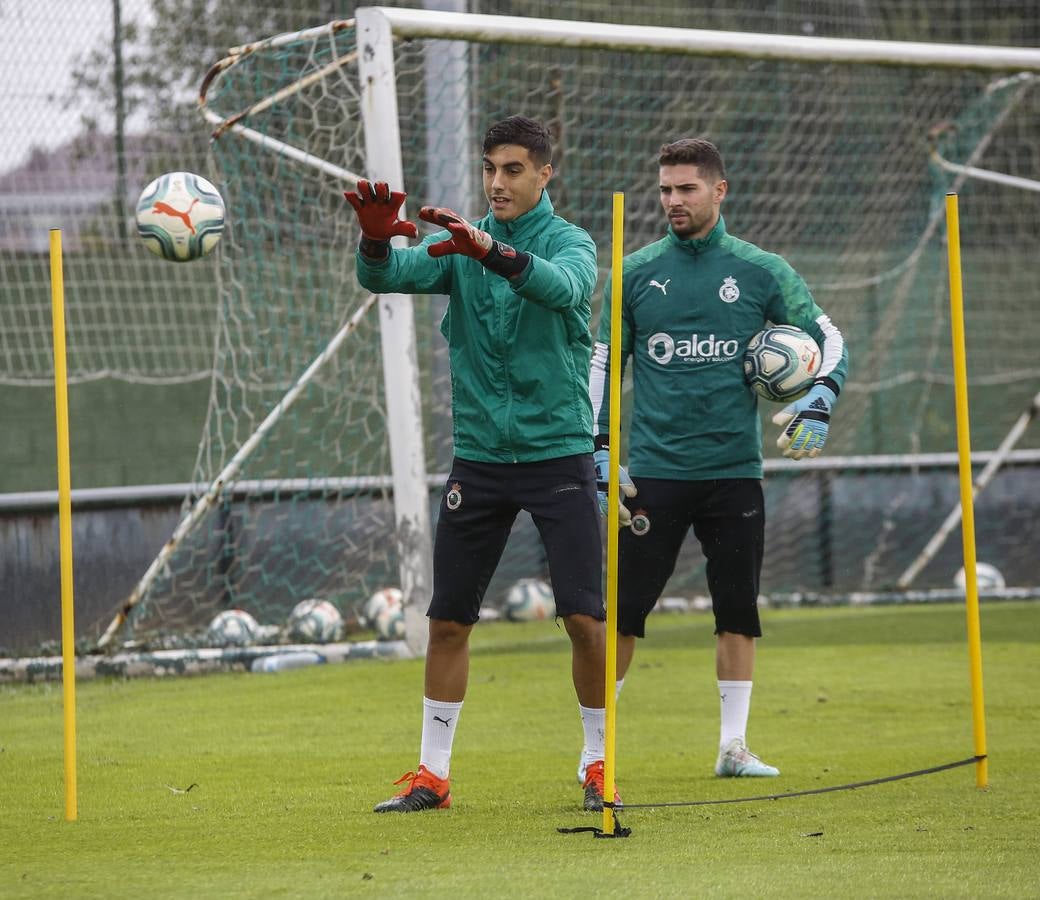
column 826, row 790
column 620, row 832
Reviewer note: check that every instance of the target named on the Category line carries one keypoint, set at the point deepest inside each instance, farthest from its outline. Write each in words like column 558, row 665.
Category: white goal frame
column 377, row 28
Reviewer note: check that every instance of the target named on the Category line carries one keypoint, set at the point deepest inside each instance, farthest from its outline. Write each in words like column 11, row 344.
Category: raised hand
column 378, row 209
column 468, row 240
column 465, row 238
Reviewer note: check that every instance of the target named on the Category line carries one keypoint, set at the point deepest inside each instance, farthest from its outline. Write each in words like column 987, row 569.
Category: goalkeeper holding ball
column 691, row 303
column 519, row 282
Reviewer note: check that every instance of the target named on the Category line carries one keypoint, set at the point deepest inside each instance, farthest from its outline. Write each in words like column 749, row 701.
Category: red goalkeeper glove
column 471, row 241
column 377, row 208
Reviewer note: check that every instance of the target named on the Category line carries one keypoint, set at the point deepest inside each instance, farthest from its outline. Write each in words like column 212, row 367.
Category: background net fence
column 829, row 165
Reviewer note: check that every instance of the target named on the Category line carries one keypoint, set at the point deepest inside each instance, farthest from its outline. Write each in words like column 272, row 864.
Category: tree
column 165, row 55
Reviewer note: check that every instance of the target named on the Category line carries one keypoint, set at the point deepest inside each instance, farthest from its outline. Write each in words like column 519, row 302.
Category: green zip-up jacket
column 689, row 309
column 520, row 348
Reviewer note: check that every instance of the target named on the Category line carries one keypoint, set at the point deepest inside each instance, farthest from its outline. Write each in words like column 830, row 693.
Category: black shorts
column 477, row 510
column 728, row 518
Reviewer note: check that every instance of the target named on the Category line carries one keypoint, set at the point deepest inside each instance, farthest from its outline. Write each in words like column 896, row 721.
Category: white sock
column 735, row 704
column 618, row 685
column 438, row 732
column 594, row 721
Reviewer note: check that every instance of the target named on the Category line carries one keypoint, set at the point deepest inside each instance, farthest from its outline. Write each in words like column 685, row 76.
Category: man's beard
column 692, row 226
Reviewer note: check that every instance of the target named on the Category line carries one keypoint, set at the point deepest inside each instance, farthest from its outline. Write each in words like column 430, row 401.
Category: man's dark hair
column 523, row 132
column 694, row 152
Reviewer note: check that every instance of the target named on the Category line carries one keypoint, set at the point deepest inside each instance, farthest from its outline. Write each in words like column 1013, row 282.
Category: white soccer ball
column 180, row 216
column 530, row 599
column 384, row 612
column 390, row 623
column 232, row 628
column 315, row 622
column 781, row 362
column 388, row 596
column 987, row 577
column 672, row 605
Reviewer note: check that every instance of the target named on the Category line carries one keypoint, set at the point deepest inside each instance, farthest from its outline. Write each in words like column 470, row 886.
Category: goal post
column 828, row 145
column 418, row 23
column 397, row 332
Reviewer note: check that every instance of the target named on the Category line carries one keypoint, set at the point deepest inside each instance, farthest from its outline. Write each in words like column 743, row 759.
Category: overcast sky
column 39, row 42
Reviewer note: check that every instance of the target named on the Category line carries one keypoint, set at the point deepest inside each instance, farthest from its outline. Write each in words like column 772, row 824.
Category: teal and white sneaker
column 736, row 761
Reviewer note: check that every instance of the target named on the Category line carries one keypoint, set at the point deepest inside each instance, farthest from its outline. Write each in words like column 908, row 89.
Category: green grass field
column 286, row 768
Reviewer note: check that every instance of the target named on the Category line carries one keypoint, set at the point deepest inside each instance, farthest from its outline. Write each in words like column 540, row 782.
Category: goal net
column 829, row 147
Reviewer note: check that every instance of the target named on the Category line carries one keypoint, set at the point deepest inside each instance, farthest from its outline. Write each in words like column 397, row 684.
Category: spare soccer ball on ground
column 987, row 577
column 390, row 623
column 384, row 612
column 180, row 216
column 530, row 599
column 388, row 596
column 672, row 605
column 315, row 622
column 232, row 628
column 781, row 362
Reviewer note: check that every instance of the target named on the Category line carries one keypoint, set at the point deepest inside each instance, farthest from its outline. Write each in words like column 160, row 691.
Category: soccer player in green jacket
column 691, row 302
column 520, row 282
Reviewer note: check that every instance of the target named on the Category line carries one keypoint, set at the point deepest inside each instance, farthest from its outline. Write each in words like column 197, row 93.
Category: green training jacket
column 519, row 349
column 689, row 309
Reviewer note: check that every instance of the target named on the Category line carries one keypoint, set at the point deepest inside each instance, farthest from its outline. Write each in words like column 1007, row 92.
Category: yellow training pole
column 960, row 383
column 68, row 631
column 617, row 253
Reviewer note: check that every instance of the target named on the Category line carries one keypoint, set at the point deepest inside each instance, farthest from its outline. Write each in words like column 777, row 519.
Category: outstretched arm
column 407, row 270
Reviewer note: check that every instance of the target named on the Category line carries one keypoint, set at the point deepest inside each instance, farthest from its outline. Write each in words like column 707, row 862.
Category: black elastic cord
column 620, row 832
column 826, row 790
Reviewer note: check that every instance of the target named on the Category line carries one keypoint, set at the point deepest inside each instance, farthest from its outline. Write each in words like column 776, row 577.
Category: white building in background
column 72, row 187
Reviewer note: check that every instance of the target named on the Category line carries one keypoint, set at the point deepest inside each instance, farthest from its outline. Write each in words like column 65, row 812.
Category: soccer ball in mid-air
column 180, row 216
column 987, row 577
column 384, row 612
column 232, row 628
column 781, row 362
column 530, row 599
column 315, row 622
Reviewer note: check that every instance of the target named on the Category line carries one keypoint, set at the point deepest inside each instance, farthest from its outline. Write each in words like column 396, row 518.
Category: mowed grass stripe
column 287, row 768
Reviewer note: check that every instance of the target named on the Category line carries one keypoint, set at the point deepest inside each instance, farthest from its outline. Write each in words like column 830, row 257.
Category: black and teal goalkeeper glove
column 601, row 458
column 806, row 421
